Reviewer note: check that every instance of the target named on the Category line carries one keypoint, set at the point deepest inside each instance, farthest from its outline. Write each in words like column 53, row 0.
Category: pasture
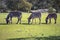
column 24, row 30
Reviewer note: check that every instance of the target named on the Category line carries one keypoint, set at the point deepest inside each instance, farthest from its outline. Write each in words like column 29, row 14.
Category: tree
column 11, row 4
column 25, row 5
column 57, row 5
column 19, row 5
column 3, row 6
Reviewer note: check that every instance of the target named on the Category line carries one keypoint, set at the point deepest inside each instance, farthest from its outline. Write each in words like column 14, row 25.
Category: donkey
column 13, row 14
column 50, row 16
column 33, row 16
column 36, row 14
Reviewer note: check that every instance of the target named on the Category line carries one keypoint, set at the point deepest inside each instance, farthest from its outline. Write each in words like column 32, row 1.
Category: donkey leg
column 20, row 20
column 11, row 20
column 55, row 21
column 17, row 21
column 35, row 21
column 50, row 20
column 46, row 21
column 39, row 20
column 32, row 21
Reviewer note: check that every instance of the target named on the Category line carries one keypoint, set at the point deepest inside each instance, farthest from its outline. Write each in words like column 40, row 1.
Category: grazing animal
column 13, row 14
column 33, row 16
column 36, row 14
column 50, row 16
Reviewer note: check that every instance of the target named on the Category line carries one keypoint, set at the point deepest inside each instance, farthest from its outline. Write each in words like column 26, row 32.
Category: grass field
column 25, row 30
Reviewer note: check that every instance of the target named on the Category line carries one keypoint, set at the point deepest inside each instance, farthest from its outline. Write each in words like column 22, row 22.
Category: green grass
column 24, row 30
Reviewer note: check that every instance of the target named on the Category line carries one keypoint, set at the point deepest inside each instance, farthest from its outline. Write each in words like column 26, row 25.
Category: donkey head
column 7, row 20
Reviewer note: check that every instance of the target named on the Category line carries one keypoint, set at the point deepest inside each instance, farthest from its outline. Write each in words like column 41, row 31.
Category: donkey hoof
column 49, row 22
column 55, row 23
column 46, row 23
column 6, row 23
column 28, row 23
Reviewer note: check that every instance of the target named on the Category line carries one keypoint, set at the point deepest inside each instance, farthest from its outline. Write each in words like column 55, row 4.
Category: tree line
column 27, row 5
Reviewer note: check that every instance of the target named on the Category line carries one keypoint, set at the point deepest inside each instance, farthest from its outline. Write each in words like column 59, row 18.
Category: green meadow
column 24, row 30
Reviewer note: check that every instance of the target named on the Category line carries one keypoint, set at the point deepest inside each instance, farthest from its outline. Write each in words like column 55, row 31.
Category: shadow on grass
column 30, row 24
column 46, row 23
column 3, row 24
column 43, row 23
column 38, row 38
column 25, row 24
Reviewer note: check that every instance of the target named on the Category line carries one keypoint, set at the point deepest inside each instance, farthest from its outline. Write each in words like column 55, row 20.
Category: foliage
column 18, row 4
column 51, row 10
column 26, row 5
